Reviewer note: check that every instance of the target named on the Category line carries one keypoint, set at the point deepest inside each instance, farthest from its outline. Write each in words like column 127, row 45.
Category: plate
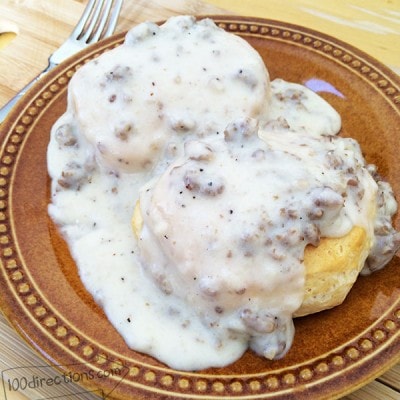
column 334, row 352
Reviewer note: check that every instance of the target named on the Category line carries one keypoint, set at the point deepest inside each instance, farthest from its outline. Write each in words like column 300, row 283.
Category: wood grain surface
column 30, row 30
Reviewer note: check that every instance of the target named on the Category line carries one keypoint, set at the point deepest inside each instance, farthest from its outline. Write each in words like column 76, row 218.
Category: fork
column 97, row 22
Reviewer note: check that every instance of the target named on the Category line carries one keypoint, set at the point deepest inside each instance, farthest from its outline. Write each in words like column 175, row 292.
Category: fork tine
column 100, row 27
column 82, row 21
column 93, row 21
column 77, row 39
column 113, row 18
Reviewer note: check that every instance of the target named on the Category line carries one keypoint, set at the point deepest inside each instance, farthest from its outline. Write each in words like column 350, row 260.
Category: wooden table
column 39, row 27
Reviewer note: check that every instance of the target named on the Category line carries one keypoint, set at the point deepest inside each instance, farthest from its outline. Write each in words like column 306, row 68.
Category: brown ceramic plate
column 334, row 352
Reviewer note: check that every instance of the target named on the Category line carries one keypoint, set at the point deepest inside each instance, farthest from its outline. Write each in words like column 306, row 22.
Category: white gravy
column 235, row 176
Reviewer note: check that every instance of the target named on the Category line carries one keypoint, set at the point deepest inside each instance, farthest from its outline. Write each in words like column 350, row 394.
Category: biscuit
column 331, row 268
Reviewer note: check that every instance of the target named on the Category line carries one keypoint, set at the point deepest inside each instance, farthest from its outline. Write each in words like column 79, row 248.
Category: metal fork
column 97, row 22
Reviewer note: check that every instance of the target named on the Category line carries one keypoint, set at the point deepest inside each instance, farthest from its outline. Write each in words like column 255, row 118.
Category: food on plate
column 331, row 268
column 165, row 82
column 205, row 205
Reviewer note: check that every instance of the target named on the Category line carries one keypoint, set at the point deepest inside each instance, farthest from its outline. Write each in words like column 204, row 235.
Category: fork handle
column 4, row 111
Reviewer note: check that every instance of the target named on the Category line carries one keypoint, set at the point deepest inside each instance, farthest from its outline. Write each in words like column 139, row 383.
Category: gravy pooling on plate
column 232, row 176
